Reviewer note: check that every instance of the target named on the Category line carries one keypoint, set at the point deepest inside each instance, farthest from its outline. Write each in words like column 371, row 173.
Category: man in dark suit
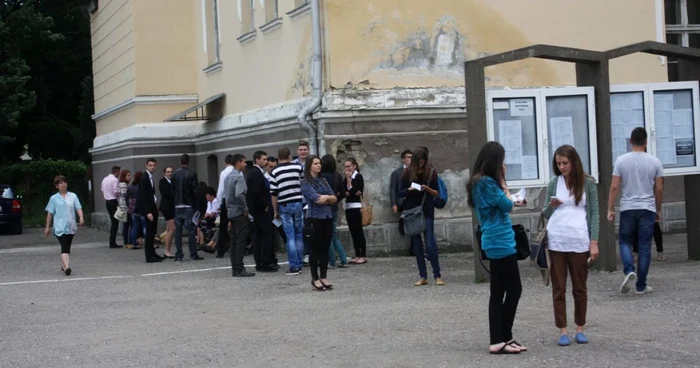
column 258, row 198
column 146, row 207
column 394, row 189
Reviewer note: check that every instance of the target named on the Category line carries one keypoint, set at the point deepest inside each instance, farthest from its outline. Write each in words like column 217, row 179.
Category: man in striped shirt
column 285, row 188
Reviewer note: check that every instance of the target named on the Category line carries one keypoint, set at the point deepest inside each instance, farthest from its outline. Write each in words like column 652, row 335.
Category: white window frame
column 490, row 131
column 650, row 122
column 544, row 158
column 589, row 92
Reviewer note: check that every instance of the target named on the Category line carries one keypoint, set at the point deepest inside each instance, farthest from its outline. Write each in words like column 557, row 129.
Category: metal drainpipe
column 316, row 70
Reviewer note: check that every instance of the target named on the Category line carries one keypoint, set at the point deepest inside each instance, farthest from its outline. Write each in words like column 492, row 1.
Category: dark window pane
column 673, row 11
column 693, row 12
column 673, row 38
column 694, row 40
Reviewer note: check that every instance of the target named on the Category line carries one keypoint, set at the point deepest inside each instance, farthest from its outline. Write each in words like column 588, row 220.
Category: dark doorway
column 213, row 171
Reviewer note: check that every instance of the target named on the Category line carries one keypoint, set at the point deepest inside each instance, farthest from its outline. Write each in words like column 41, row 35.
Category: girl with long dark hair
column 420, row 173
column 354, row 187
column 572, row 232
column 320, row 198
column 488, row 194
column 335, row 180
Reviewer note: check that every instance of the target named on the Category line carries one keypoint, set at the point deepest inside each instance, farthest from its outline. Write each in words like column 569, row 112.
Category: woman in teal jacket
column 488, row 195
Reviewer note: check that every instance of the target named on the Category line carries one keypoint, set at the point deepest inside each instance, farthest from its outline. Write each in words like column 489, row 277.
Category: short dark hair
column 406, row 152
column 284, row 153
column 59, row 179
column 185, row 159
column 638, row 136
column 166, row 168
column 303, row 144
column 238, row 158
column 258, row 154
column 271, row 159
column 211, row 191
column 115, row 169
column 151, row 160
column 229, row 159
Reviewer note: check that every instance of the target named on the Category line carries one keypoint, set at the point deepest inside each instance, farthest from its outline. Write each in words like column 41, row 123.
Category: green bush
column 33, row 180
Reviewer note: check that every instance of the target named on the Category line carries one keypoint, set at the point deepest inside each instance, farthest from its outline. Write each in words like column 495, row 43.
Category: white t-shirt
column 638, row 171
column 567, row 229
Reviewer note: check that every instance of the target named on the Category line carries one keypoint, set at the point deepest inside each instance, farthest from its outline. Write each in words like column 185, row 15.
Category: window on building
column 211, row 30
column 299, row 3
column 271, row 10
column 247, row 16
column 682, row 28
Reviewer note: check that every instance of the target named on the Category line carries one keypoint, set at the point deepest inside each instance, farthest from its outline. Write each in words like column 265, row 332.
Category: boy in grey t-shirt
column 641, row 177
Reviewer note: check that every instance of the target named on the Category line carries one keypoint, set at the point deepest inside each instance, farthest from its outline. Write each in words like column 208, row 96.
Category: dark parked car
column 10, row 209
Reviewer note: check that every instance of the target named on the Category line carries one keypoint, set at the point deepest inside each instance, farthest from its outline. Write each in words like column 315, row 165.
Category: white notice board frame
column 490, row 130
column 648, row 90
column 589, row 92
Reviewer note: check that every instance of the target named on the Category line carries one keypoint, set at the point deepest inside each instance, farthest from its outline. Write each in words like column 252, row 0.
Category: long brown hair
column 576, row 180
column 307, row 166
column 417, row 171
column 137, row 178
column 489, row 163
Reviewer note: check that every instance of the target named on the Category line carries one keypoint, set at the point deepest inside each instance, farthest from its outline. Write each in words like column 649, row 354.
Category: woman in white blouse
column 207, row 226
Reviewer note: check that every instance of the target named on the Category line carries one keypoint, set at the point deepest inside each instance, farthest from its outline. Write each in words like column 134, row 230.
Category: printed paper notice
column 562, row 131
column 663, row 102
column 683, row 123
column 510, row 136
column 666, row 150
column 521, row 107
column 528, row 167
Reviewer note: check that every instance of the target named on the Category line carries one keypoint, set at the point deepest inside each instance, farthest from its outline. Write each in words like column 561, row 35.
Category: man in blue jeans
column 184, row 187
column 285, row 188
column 640, row 175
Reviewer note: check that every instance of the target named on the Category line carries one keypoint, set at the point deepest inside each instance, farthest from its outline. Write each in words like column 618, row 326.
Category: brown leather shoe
column 439, row 281
column 421, row 282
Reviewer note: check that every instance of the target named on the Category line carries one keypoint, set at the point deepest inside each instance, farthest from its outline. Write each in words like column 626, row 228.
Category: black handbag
column 522, row 242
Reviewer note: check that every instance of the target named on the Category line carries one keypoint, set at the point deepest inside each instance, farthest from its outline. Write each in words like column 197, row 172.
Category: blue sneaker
column 564, row 340
column 581, row 338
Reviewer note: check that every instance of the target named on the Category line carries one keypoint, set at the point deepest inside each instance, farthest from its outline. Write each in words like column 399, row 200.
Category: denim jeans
column 431, row 247
column 640, row 222
column 183, row 217
column 137, row 222
column 336, row 246
column 293, row 225
column 126, row 230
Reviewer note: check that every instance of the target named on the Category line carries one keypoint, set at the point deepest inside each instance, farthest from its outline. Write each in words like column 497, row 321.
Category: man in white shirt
column 110, row 192
column 222, row 243
column 640, row 176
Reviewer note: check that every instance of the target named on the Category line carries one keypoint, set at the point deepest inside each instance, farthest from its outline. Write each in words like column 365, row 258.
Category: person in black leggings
column 61, row 210
column 320, row 199
column 488, row 194
column 355, row 185
column 658, row 239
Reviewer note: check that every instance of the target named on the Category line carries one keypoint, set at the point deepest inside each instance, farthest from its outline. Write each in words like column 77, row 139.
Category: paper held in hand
column 519, row 196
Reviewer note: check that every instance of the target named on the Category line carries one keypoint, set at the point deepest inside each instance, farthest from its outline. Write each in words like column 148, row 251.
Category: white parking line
column 123, row 277
column 64, row 280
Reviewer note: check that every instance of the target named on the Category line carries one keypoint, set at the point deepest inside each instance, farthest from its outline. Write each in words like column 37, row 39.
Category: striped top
column 286, row 182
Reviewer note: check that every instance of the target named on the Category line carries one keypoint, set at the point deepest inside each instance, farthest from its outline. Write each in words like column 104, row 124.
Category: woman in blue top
column 421, row 173
column 61, row 209
column 488, row 195
column 320, row 198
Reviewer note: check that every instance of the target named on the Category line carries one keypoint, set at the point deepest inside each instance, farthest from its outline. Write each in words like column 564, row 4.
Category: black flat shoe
column 318, row 288
column 68, row 271
column 167, row 256
column 327, row 286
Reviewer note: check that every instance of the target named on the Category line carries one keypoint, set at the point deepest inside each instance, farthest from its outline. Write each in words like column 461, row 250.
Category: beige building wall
column 113, row 53
column 417, row 43
column 164, row 37
column 269, row 69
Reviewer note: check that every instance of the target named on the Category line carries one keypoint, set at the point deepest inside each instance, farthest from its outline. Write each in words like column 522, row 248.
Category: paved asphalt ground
column 117, row 311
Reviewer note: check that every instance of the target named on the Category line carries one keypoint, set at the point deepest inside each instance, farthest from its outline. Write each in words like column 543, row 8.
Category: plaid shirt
column 312, row 190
